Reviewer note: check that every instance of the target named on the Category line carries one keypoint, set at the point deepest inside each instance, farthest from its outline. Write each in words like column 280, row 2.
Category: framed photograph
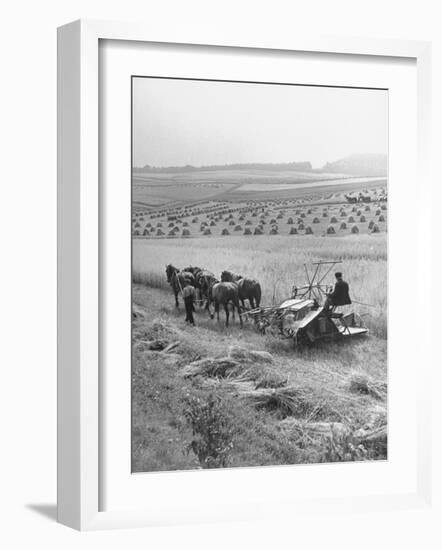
column 236, row 296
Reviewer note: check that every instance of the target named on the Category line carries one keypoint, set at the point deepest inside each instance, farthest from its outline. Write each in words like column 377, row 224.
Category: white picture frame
column 79, row 274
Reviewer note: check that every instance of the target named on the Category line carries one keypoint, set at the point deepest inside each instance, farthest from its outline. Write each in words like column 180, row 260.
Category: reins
column 178, row 281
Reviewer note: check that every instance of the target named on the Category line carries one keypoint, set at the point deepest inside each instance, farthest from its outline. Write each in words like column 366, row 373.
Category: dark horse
column 351, row 199
column 178, row 280
column 224, row 294
column 193, row 269
column 364, row 198
column 201, row 275
column 248, row 289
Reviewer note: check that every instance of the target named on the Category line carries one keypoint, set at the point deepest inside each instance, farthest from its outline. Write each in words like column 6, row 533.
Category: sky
column 180, row 122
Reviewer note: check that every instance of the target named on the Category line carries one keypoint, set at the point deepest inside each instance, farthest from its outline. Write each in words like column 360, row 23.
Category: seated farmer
column 340, row 295
column 189, row 297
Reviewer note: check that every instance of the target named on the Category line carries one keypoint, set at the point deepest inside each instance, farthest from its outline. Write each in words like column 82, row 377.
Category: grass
column 247, row 183
column 232, row 397
column 361, row 383
column 278, row 263
column 261, row 382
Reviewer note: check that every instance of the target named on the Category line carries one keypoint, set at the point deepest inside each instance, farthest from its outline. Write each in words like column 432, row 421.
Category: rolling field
column 277, row 262
column 261, row 401
column 336, row 393
column 220, row 209
column 340, row 389
column 153, row 189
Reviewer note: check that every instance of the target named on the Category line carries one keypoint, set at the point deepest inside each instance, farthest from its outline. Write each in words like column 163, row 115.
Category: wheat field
column 278, row 262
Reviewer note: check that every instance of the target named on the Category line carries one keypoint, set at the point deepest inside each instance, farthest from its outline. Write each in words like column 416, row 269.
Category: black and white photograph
column 231, row 293
column 259, row 274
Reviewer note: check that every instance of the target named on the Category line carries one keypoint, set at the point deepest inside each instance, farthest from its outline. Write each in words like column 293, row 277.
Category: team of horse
column 232, row 290
column 361, row 197
column 353, row 199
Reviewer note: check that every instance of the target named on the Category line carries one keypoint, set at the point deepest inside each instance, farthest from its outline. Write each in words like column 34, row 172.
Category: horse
column 178, row 280
column 351, row 199
column 230, row 276
column 204, row 281
column 196, row 271
column 248, row 289
column 193, row 269
column 364, row 198
column 222, row 294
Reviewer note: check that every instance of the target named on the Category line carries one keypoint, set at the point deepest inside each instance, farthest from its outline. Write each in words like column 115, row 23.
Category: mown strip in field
column 278, row 263
column 282, row 407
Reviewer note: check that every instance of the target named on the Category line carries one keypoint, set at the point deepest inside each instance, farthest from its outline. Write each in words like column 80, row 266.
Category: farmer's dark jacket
column 340, row 295
column 189, row 292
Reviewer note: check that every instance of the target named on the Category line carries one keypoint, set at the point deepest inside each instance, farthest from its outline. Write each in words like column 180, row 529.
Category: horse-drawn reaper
column 309, row 316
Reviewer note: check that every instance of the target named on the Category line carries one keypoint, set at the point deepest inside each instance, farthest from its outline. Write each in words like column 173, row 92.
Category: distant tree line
column 357, row 165
column 299, row 166
column 363, row 165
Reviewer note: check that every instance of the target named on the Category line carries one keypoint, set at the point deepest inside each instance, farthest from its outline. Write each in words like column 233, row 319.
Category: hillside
column 360, row 165
column 274, row 406
column 357, row 165
column 297, row 166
